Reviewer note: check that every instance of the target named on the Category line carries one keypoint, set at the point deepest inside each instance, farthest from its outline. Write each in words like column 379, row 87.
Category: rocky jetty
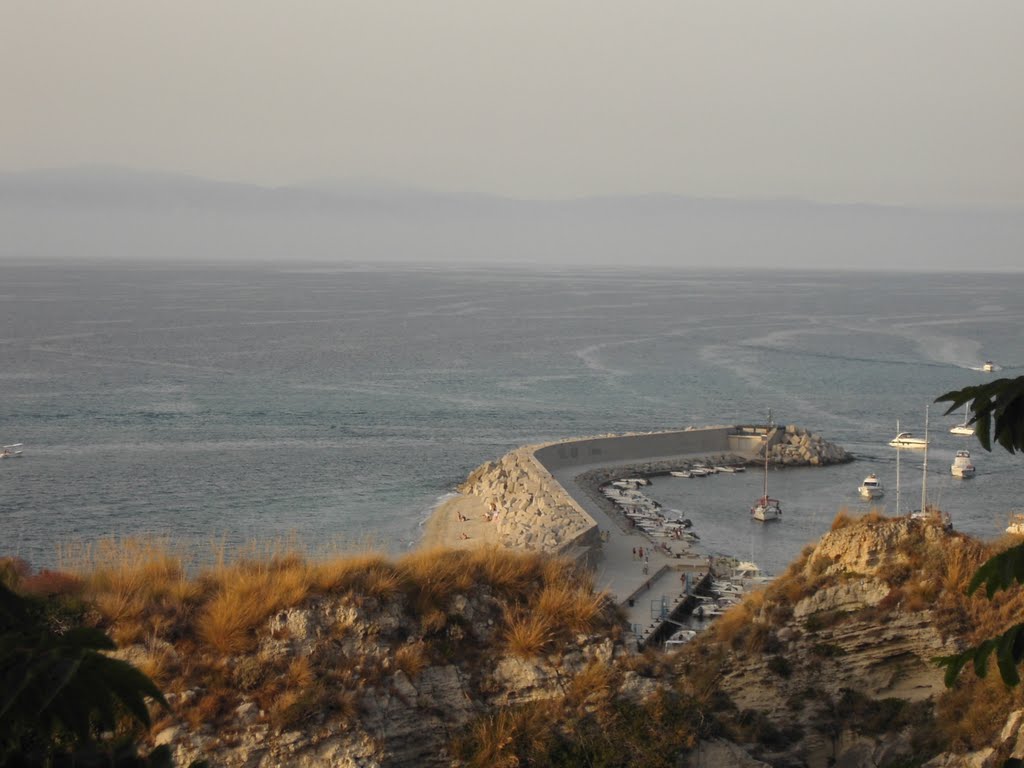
column 794, row 446
column 530, row 509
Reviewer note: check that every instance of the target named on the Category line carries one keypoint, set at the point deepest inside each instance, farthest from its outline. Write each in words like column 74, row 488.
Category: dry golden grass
column 383, row 582
column 509, row 572
column 245, row 596
column 527, row 634
column 842, row 519
column 593, row 686
column 569, row 605
column 733, row 625
column 437, row 574
column 874, row 515
column 341, row 574
column 412, row 659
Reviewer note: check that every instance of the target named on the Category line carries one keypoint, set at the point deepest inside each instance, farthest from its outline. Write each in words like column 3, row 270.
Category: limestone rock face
column 847, row 596
column 864, row 551
column 395, row 716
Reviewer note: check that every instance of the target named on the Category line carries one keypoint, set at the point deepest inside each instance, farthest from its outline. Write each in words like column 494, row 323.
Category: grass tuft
column 527, row 634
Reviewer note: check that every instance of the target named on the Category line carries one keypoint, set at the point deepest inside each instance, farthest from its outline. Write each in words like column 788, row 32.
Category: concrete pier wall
column 623, row 449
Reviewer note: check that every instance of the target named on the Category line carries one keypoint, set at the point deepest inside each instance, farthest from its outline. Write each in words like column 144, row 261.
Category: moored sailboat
column 766, row 509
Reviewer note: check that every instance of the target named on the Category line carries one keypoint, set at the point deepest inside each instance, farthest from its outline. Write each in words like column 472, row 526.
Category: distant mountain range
column 112, row 213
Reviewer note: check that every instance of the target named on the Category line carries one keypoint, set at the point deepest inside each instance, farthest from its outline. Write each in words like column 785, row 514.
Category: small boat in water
column 766, row 509
column 871, row 487
column 12, row 451
column 962, row 465
column 988, row 366
column 907, row 440
column 965, row 428
column 681, row 473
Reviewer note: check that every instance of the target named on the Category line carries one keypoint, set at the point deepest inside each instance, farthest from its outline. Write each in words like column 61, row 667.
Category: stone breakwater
column 531, row 510
column 794, row 446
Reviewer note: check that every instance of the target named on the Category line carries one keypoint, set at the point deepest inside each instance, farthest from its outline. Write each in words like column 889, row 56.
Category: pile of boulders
column 795, row 446
column 529, row 507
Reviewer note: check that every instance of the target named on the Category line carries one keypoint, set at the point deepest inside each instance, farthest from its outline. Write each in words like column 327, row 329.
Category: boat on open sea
column 871, row 487
column 12, row 451
column 988, row 366
column 962, row 465
column 907, row 440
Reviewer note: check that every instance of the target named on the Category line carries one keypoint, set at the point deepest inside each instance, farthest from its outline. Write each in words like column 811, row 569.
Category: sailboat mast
column 765, row 493
column 897, row 472
column 924, row 471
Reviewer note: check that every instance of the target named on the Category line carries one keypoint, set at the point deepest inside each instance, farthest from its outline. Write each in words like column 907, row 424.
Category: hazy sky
column 915, row 101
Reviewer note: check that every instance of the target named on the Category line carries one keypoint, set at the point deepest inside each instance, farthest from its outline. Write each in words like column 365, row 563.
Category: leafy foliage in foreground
column 998, row 409
column 58, row 692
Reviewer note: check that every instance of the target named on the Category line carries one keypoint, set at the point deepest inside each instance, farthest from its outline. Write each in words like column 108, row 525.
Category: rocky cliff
column 493, row 657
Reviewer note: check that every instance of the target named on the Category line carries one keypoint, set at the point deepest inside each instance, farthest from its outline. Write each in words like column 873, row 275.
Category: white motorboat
column 12, row 451
column 871, row 487
column 1016, row 526
column 962, row 465
column 966, row 429
column 681, row 473
column 681, row 637
column 907, row 440
column 699, row 472
column 988, row 366
column 725, row 469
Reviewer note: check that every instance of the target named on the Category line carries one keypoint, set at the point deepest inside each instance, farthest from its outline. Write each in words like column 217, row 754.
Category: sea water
column 246, row 403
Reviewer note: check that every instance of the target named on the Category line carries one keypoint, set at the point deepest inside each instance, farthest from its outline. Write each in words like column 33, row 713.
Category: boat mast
column 767, row 429
column 897, row 471
column 924, row 471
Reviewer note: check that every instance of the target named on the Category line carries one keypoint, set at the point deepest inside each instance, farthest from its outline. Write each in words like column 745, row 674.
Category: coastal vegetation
column 531, row 663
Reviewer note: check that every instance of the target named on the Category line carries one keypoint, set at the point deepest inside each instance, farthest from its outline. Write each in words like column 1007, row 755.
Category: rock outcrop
column 530, row 508
column 795, row 446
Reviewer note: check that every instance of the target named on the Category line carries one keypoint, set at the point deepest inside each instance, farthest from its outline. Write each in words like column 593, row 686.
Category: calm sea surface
column 337, row 405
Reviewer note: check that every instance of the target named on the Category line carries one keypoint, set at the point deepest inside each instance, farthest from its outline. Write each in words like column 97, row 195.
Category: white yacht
column 962, row 465
column 871, row 487
column 907, row 440
column 966, row 429
column 988, row 366
column 12, row 451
